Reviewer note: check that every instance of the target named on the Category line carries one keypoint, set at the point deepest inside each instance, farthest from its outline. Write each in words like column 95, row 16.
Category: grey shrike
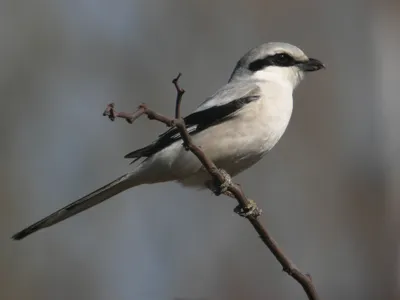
column 235, row 128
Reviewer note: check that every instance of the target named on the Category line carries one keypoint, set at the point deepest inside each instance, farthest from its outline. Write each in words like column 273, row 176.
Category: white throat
column 287, row 77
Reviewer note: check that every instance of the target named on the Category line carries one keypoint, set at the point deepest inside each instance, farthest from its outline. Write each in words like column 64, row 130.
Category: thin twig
column 142, row 109
column 250, row 211
column 179, row 93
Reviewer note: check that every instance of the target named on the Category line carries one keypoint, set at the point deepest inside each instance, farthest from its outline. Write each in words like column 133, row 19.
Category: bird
column 235, row 128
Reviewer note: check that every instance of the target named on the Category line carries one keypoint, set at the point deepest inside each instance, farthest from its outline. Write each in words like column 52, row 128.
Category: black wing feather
column 195, row 123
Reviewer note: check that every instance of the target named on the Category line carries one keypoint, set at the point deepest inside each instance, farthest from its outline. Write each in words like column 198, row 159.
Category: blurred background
column 329, row 190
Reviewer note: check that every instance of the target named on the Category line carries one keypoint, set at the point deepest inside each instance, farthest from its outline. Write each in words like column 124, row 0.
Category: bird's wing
column 223, row 104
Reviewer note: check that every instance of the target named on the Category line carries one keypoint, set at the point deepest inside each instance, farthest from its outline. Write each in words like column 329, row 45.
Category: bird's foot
column 224, row 186
column 220, row 188
column 250, row 211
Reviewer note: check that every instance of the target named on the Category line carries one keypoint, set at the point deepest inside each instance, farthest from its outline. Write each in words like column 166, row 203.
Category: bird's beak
column 311, row 65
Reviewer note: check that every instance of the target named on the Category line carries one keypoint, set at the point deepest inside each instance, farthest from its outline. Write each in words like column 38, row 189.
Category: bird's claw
column 224, row 186
column 220, row 188
column 250, row 211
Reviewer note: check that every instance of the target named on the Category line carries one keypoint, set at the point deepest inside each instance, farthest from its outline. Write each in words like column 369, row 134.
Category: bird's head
column 276, row 61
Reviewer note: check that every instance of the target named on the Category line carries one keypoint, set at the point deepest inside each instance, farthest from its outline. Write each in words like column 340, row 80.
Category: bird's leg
column 221, row 188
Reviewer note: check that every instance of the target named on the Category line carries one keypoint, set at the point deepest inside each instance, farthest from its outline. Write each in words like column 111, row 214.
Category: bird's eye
column 283, row 59
column 279, row 59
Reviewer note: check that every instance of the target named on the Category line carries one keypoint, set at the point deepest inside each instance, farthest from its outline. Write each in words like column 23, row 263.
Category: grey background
column 329, row 189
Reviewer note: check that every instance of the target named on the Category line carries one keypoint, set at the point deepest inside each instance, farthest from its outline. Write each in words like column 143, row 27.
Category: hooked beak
column 311, row 65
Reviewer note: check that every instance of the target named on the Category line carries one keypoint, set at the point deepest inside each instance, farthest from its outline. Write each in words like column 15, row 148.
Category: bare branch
column 142, row 109
column 246, row 207
column 179, row 93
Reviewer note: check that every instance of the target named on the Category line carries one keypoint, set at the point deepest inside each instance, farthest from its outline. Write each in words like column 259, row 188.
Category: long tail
column 113, row 188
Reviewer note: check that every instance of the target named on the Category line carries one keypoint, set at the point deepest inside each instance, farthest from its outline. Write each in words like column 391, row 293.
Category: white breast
column 274, row 112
